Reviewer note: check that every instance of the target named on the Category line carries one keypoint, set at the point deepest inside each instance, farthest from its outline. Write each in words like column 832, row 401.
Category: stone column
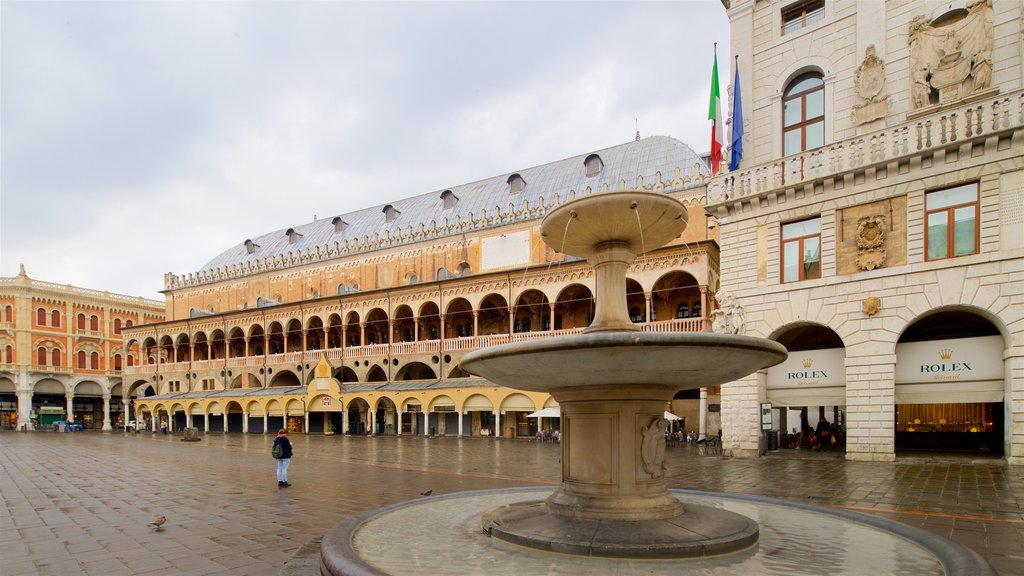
column 245, row 422
column 106, row 413
column 362, row 333
column 70, row 399
column 372, row 420
column 702, row 432
column 460, row 423
column 188, row 419
column 551, row 321
column 266, row 423
column 24, row 402
column 306, row 423
column 647, row 306
column 476, row 322
column 398, row 425
column 497, row 423
column 705, row 312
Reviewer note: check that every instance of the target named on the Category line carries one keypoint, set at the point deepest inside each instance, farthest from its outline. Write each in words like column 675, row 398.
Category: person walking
column 284, row 458
column 824, row 434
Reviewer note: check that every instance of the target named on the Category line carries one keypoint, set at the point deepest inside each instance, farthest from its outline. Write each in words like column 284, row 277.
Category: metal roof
column 644, row 158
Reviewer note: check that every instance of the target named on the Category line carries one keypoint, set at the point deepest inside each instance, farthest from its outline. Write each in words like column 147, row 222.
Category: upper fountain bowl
column 644, row 220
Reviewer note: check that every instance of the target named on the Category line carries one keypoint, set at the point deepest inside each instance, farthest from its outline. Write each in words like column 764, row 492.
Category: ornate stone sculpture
column 871, row 242
column 952, row 59
column 728, row 318
column 868, row 80
column 652, row 447
column 871, row 305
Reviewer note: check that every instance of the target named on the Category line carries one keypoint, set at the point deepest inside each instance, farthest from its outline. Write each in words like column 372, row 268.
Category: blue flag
column 737, row 122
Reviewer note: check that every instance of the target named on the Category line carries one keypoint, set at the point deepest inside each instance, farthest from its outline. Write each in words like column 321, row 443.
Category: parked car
column 135, row 426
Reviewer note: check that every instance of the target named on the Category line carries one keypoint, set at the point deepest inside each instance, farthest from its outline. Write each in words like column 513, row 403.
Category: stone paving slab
column 80, row 503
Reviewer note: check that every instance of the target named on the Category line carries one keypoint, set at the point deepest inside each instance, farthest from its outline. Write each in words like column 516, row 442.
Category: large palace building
column 875, row 226
column 357, row 323
column 61, row 352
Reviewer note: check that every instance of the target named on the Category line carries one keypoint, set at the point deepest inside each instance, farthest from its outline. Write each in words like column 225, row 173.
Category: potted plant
column 330, row 430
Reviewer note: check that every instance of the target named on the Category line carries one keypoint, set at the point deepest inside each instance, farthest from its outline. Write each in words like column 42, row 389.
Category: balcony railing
column 928, row 132
column 82, row 332
column 462, row 344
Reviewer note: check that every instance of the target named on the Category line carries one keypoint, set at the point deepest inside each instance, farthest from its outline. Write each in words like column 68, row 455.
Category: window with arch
column 128, row 324
column 55, row 357
column 803, row 114
column 8, row 314
column 41, row 317
column 683, row 310
column 94, row 323
column 81, row 359
column 81, row 321
column 695, row 311
column 131, row 360
column 55, row 319
column 41, row 357
column 117, row 362
column 593, row 165
column 94, row 361
column 117, row 325
column 9, row 354
column 801, row 250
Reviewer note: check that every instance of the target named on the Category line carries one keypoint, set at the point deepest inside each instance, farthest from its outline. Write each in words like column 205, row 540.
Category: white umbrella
column 670, row 416
column 546, row 413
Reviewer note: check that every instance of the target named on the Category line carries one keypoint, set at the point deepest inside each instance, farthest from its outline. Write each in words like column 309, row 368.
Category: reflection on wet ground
column 78, row 503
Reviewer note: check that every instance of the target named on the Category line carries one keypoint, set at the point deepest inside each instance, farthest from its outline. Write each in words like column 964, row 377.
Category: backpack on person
column 277, row 451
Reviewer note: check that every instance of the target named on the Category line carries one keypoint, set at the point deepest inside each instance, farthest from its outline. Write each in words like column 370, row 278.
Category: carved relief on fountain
column 869, row 80
column 951, row 58
column 871, row 242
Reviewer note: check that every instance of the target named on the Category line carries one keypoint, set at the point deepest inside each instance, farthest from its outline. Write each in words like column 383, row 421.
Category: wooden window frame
column 950, row 230
column 804, row 122
column 800, row 11
column 783, row 241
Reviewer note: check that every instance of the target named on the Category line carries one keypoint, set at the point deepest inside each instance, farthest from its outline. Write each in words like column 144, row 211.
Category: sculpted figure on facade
column 952, row 58
column 728, row 318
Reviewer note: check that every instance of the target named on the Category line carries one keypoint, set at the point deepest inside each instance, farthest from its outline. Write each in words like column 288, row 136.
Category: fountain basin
column 443, row 534
column 675, row 360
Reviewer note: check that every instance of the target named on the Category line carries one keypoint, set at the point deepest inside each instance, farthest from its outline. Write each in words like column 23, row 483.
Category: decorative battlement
column 498, row 216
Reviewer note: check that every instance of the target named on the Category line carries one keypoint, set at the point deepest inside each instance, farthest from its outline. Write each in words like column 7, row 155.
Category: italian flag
column 717, row 121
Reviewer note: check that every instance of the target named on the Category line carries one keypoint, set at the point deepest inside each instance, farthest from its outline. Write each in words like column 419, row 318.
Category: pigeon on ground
column 159, row 522
column 427, row 493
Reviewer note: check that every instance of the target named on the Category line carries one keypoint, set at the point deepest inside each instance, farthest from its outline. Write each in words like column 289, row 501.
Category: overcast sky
column 138, row 138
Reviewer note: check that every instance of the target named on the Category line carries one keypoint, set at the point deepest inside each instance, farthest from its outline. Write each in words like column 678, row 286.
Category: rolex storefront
column 950, row 394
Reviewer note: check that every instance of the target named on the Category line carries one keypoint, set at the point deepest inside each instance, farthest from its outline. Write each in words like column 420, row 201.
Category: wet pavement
column 80, row 503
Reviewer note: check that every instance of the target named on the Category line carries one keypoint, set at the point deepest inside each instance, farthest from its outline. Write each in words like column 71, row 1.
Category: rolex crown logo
column 946, row 353
column 807, row 362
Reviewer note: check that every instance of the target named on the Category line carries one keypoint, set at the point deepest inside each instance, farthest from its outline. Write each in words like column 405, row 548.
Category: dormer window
column 516, row 184
column 390, row 213
column 339, row 224
column 449, row 198
column 250, row 247
column 292, row 235
column 594, row 165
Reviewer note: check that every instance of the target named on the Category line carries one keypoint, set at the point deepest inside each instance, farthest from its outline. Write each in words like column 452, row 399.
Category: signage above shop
column 957, row 360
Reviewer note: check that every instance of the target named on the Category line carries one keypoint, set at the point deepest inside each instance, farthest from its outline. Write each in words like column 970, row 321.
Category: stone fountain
column 612, row 507
column 613, row 500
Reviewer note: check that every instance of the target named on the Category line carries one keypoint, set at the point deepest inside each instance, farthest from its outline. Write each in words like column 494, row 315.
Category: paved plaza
column 80, row 503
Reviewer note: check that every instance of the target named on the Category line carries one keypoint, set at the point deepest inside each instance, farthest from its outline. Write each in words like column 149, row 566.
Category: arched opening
column 950, row 385
column 574, row 307
column 430, row 322
column 809, row 387
column 415, row 371
column 459, row 319
column 492, row 316
column 533, row 313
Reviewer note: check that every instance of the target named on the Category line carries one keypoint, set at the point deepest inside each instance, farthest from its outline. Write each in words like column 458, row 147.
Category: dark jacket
column 286, row 446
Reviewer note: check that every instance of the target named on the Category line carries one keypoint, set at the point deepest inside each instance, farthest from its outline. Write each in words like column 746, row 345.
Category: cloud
column 142, row 138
